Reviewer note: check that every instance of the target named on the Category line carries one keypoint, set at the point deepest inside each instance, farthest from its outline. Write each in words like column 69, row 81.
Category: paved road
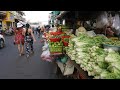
column 12, row 66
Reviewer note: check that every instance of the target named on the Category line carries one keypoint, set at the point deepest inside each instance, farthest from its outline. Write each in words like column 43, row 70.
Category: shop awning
column 61, row 14
column 87, row 15
column 82, row 15
column 3, row 13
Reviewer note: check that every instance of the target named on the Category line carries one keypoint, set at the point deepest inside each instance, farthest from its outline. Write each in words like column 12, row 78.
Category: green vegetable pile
column 100, row 63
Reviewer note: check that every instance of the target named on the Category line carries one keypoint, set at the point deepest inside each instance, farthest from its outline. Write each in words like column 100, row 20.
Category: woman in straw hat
column 19, row 38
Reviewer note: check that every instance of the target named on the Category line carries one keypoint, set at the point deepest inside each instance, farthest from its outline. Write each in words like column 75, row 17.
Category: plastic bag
column 102, row 20
column 61, row 66
column 46, row 56
column 45, row 47
column 91, row 33
column 69, row 69
column 43, row 36
column 47, row 59
column 45, row 53
column 80, row 30
column 66, row 69
column 116, row 23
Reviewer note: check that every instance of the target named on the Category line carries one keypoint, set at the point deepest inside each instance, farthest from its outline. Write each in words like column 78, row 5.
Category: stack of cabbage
column 70, row 50
column 100, row 63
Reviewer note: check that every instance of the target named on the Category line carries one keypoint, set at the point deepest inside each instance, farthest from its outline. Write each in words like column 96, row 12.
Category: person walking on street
column 42, row 29
column 19, row 38
column 29, row 38
column 38, row 30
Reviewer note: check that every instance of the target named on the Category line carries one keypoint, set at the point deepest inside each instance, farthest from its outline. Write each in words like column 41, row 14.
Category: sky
column 37, row 16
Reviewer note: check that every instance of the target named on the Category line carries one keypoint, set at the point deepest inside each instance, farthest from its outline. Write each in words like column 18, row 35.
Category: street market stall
column 54, row 50
column 87, row 55
column 94, row 57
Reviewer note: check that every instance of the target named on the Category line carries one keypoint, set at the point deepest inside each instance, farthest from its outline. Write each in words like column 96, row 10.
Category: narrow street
column 12, row 66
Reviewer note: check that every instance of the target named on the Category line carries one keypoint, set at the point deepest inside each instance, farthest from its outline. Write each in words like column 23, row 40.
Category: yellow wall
column 7, row 19
column 4, row 25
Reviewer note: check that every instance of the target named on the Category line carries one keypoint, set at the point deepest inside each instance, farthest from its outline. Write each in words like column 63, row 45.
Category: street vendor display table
column 81, row 73
column 66, row 67
column 55, row 54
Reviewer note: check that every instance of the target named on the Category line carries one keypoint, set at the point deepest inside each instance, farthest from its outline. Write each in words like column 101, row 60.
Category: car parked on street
column 2, row 41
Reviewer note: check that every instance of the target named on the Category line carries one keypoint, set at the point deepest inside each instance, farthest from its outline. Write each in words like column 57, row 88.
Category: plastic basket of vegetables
column 64, row 37
column 63, row 34
column 65, row 40
column 55, row 39
column 56, row 47
column 56, row 33
column 114, row 45
column 65, row 43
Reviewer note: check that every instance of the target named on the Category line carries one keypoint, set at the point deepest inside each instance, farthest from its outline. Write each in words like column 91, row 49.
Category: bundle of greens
column 98, row 62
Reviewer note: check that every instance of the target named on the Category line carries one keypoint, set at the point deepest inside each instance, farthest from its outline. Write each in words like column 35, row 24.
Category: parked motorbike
column 9, row 33
column 2, row 41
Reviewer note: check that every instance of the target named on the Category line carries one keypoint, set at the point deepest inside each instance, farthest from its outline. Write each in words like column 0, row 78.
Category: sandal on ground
column 32, row 52
column 27, row 56
column 20, row 54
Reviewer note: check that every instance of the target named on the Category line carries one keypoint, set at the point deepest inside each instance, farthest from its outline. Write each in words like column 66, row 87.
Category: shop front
column 2, row 16
column 90, row 53
column 8, row 21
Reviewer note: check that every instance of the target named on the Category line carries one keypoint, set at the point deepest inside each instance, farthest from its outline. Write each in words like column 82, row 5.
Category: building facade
column 10, row 18
column 8, row 21
column 2, row 16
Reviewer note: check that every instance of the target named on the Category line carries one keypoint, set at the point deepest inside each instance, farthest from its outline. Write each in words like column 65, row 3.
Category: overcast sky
column 37, row 16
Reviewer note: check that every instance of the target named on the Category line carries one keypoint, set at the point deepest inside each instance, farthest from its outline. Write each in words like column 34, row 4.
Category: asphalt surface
column 12, row 66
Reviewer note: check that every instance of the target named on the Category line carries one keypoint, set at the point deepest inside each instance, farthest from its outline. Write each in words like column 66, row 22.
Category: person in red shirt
column 19, row 38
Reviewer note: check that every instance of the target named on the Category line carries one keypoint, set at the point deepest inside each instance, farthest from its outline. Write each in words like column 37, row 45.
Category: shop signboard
column 9, row 17
column 56, row 12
